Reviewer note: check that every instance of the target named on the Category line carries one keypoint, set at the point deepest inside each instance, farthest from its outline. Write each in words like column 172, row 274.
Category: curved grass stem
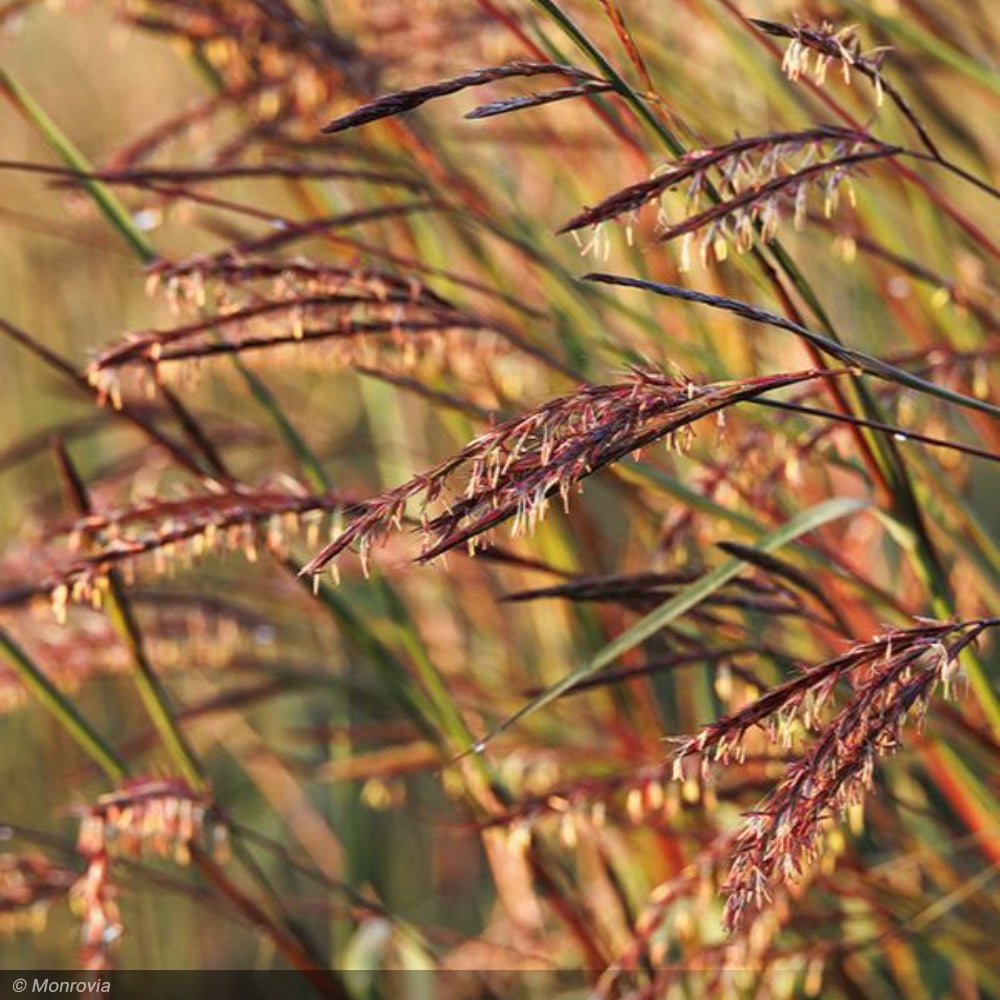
column 63, row 710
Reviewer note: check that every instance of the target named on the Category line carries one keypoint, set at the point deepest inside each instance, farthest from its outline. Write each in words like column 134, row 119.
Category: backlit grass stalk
column 116, row 213
column 63, row 710
column 153, row 694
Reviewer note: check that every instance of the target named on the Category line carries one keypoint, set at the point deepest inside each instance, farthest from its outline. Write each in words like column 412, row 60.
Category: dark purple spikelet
column 892, row 678
column 226, row 517
column 825, row 44
column 163, row 816
column 406, row 100
column 246, row 304
column 756, row 179
column 515, row 469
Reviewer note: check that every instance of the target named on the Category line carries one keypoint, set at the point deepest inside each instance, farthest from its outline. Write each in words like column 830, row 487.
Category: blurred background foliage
column 348, row 820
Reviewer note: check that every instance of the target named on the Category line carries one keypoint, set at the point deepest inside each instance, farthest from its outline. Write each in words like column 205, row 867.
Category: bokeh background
column 365, row 835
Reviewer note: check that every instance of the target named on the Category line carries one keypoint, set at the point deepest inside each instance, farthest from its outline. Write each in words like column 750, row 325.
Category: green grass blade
column 310, row 463
column 847, row 355
column 681, row 603
column 105, row 199
column 64, row 710
column 154, row 695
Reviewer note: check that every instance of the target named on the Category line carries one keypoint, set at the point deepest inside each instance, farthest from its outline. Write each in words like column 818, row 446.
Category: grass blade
column 848, row 355
column 63, row 709
column 64, row 147
column 690, row 597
